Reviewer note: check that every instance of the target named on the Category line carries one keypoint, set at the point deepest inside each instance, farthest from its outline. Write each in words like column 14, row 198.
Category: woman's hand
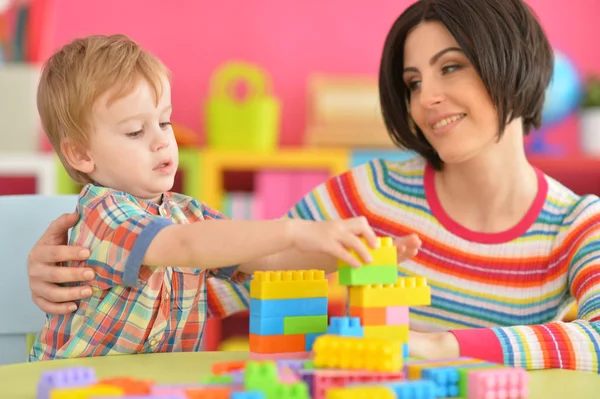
column 45, row 272
column 433, row 345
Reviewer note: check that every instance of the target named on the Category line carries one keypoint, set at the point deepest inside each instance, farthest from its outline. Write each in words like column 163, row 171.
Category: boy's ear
column 77, row 156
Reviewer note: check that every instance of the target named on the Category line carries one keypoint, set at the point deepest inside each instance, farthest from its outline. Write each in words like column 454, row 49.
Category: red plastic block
column 130, row 386
column 226, row 367
column 277, row 343
column 209, row 393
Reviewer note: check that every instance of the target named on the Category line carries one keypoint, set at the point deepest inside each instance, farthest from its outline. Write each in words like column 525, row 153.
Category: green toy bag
column 251, row 123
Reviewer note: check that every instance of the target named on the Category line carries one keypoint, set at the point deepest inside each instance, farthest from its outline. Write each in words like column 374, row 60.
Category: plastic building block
column 353, row 276
column 179, row 396
column 399, row 333
column 445, row 380
column 298, row 390
column 310, row 340
column 277, row 343
column 280, row 356
column 357, row 353
column 463, row 375
column 325, row 380
column 345, row 327
column 360, row 393
column 397, row 315
column 288, row 376
column 171, row 390
column 420, row 389
column 248, row 395
column 223, row 379
column 499, row 383
column 305, row 324
column 385, row 254
column 266, row 325
column 130, row 386
column 66, row 378
column 226, row 367
column 86, row 392
column 293, row 364
column 288, row 307
column 405, row 351
column 289, row 284
column 209, row 393
column 414, row 370
column 369, row 316
column 260, row 376
column 407, row 291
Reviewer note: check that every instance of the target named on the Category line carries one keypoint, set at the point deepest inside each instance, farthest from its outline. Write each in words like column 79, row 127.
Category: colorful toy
column 301, row 356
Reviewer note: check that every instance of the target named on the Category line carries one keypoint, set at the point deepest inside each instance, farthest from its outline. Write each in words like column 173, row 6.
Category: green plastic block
column 217, row 379
column 304, row 324
column 366, row 275
column 261, row 376
column 298, row 390
column 309, row 365
column 463, row 375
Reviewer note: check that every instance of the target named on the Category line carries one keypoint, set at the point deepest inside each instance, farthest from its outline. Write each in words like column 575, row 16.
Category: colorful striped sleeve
column 226, row 290
column 118, row 233
column 569, row 345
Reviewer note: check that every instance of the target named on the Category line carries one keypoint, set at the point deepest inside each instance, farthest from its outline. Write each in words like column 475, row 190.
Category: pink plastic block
column 279, row 356
column 288, row 376
column 396, row 315
column 325, row 379
column 509, row 383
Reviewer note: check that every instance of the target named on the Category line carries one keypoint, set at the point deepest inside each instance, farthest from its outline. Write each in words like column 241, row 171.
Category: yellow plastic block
column 359, row 392
column 414, row 370
column 289, row 284
column 86, row 392
column 386, row 254
column 399, row 333
column 408, row 291
column 354, row 353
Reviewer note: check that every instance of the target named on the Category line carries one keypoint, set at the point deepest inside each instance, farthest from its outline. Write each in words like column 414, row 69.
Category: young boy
column 105, row 105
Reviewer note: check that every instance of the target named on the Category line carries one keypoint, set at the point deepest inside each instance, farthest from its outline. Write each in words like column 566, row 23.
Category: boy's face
column 133, row 147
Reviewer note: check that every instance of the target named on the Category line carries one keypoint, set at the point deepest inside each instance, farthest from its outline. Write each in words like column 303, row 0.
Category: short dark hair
column 504, row 42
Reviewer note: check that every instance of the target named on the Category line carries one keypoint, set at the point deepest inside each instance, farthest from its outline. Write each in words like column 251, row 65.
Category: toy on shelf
column 250, row 122
column 302, row 356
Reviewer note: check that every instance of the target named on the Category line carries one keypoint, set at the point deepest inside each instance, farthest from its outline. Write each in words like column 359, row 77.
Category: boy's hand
column 336, row 238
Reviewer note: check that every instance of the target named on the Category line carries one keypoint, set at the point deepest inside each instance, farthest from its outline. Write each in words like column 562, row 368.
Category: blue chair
column 23, row 219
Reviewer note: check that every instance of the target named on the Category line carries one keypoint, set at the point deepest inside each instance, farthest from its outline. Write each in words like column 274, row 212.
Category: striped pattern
column 509, row 289
column 134, row 308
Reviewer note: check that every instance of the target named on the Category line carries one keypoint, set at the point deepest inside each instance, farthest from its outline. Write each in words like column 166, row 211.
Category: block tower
column 381, row 299
column 288, row 311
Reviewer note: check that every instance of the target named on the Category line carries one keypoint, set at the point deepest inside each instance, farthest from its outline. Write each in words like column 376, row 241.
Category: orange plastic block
column 226, row 367
column 209, row 393
column 399, row 333
column 289, row 284
column 408, row 291
column 369, row 316
column 353, row 353
column 130, row 386
column 277, row 343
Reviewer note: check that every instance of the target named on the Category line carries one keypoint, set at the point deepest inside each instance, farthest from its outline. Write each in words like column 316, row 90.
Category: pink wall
column 290, row 39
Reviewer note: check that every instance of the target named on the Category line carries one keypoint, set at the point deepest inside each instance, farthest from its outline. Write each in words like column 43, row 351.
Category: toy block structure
column 288, row 311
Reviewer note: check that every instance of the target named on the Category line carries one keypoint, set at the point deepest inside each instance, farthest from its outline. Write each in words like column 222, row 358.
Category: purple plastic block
column 295, row 364
column 238, row 377
column 65, row 378
column 308, row 377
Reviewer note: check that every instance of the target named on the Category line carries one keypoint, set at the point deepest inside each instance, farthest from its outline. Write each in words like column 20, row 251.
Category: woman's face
column 448, row 100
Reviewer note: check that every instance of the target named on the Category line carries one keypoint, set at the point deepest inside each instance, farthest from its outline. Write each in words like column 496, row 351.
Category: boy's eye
column 134, row 134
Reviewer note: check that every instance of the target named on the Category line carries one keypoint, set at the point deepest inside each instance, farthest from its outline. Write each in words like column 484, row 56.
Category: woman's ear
column 78, row 156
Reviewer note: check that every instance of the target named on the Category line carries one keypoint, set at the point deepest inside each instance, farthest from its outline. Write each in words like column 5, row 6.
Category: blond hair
column 78, row 74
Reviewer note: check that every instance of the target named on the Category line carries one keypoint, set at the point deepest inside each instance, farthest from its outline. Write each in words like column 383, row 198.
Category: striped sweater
column 501, row 294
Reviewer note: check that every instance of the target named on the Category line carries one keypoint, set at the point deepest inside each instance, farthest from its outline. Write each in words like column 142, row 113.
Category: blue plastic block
column 310, row 340
column 288, row 307
column 445, row 380
column 345, row 327
column 405, row 351
column 415, row 389
column 266, row 325
column 248, row 395
column 65, row 378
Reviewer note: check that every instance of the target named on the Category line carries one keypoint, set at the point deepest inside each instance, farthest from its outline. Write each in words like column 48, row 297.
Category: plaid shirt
column 134, row 308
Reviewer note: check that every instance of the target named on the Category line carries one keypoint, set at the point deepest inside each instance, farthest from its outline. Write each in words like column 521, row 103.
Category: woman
column 506, row 249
